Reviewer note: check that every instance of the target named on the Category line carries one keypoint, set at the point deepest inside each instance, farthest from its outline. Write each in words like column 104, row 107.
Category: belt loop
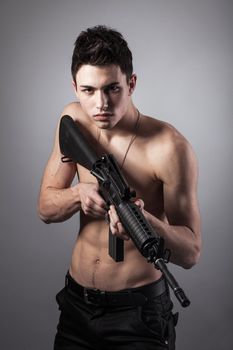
column 86, row 296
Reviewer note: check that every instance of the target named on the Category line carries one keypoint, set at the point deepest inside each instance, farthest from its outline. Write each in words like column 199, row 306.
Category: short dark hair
column 101, row 46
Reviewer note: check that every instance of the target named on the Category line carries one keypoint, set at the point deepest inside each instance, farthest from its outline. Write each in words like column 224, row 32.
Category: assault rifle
column 114, row 189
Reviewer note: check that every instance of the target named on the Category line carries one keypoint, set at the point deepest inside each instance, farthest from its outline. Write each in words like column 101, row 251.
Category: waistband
column 126, row 297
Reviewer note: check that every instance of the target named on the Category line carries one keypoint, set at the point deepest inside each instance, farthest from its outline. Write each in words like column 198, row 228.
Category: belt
column 126, row 297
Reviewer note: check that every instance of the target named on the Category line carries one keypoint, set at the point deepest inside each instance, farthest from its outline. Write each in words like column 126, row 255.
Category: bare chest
column 139, row 174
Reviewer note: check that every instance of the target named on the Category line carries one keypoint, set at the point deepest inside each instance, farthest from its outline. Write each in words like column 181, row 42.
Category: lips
column 103, row 116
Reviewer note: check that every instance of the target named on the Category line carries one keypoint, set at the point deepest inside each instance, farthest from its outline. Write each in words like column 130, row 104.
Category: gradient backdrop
column 183, row 55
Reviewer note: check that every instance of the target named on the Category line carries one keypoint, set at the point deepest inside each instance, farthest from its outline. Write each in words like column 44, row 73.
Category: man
column 107, row 304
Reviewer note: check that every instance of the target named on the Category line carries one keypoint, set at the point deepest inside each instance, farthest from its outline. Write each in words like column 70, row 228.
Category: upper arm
column 180, row 175
column 57, row 174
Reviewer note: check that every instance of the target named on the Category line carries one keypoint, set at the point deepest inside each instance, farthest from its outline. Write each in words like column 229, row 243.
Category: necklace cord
column 132, row 139
column 135, row 129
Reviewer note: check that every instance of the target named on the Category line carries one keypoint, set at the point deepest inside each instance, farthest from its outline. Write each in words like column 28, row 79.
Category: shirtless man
column 107, row 304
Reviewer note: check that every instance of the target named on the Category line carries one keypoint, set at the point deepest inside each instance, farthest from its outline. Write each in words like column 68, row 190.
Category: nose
column 101, row 100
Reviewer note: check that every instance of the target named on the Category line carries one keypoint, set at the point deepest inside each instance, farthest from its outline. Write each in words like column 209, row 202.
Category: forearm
column 57, row 205
column 183, row 243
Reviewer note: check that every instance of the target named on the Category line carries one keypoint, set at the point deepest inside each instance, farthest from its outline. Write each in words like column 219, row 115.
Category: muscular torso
column 91, row 265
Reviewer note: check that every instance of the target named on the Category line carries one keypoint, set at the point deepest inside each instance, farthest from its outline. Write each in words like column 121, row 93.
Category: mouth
column 103, row 116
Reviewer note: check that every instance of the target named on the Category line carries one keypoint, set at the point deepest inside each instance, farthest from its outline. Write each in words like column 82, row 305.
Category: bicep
column 181, row 207
column 180, row 190
column 57, row 174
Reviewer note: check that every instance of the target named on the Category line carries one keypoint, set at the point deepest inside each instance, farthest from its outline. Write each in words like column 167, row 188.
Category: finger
column 95, row 209
column 113, row 223
column 99, row 201
column 116, row 226
column 117, row 231
column 121, row 232
column 94, row 196
column 92, row 208
column 113, row 215
column 139, row 202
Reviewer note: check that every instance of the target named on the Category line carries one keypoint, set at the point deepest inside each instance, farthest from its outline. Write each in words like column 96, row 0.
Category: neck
column 124, row 126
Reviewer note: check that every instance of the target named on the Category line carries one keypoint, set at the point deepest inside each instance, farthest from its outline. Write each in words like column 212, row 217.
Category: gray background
column 183, row 56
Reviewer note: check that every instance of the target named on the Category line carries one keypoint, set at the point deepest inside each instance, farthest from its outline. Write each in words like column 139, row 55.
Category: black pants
column 132, row 323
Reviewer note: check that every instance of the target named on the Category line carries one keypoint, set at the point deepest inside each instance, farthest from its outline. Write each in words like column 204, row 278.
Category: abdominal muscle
column 92, row 267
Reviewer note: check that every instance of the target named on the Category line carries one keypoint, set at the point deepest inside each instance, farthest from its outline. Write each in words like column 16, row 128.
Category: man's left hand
column 116, row 226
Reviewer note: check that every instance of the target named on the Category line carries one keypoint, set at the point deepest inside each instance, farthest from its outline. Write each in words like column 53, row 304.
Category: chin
column 105, row 125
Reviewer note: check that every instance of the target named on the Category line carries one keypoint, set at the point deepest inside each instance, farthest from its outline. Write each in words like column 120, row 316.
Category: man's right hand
column 92, row 203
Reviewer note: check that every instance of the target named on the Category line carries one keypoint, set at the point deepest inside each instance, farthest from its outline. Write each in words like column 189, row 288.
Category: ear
column 132, row 83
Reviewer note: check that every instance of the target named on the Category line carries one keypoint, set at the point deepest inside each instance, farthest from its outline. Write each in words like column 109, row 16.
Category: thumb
column 139, row 202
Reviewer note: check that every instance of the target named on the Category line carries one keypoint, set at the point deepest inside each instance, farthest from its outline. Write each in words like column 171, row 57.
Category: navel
column 96, row 264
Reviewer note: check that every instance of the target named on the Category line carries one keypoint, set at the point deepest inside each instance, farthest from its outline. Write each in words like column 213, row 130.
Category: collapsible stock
column 73, row 145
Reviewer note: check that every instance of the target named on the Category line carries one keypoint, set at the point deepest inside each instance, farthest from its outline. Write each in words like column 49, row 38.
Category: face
column 104, row 94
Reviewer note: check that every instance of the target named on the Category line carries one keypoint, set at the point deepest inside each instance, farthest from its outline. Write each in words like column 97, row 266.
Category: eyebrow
column 104, row 87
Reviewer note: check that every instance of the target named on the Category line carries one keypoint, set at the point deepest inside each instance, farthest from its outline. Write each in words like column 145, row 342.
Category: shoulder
column 169, row 151
column 74, row 110
column 161, row 134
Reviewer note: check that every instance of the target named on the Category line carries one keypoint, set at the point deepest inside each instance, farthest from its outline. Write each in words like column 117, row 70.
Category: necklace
column 134, row 135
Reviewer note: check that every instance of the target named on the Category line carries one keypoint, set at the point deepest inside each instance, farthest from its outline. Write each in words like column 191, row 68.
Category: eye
column 114, row 88
column 87, row 90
